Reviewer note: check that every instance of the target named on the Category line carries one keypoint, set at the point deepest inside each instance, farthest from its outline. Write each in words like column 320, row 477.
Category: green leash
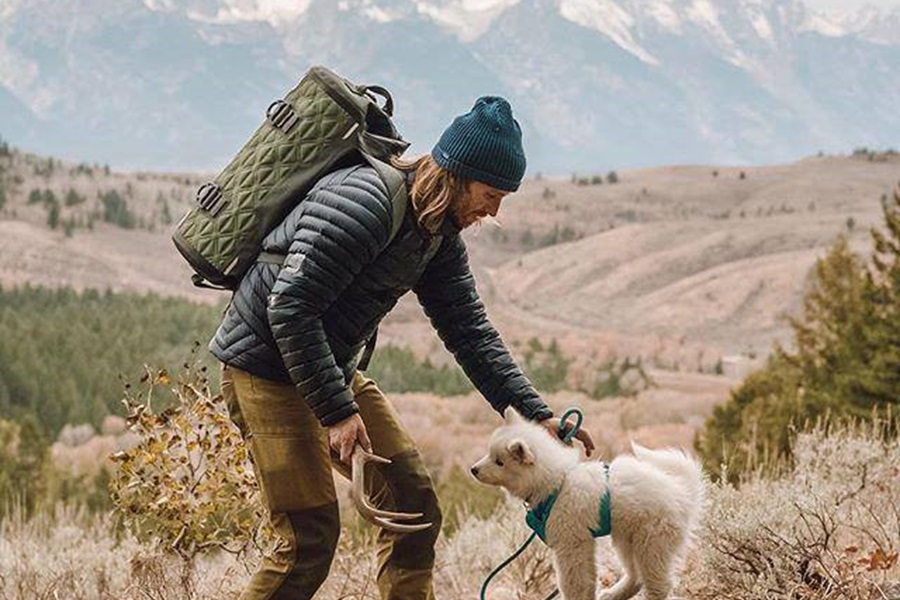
column 504, row 564
column 566, row 438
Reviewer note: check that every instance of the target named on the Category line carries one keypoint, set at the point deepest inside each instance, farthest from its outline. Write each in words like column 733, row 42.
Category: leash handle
column 563, row 423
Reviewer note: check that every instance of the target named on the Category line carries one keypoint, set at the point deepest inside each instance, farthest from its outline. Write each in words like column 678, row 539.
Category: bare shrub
column 825, row 528
column 71, row 553
column 188, row 483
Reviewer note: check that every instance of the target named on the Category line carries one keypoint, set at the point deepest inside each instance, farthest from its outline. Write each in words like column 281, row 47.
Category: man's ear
column 520, row 452
column 511, row 416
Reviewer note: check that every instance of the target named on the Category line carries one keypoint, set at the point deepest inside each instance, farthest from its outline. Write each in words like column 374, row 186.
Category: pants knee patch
column 316, row 533
column 413, row 491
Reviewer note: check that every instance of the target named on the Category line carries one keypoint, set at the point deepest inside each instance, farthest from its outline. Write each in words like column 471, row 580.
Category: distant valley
column 680, row 266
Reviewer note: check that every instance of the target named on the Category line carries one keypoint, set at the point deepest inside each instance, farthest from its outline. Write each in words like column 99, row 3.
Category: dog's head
column 510, row 462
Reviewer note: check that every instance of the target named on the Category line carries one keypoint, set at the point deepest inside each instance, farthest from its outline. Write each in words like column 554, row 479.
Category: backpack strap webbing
column 396, row 185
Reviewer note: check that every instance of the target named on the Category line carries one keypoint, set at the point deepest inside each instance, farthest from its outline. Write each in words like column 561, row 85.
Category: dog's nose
column 474, row 471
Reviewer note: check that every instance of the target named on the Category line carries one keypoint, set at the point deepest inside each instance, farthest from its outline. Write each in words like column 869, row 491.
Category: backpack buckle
column 282, row 116
column 209, row 197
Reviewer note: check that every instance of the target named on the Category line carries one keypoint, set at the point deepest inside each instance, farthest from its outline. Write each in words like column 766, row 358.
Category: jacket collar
column 448, row 227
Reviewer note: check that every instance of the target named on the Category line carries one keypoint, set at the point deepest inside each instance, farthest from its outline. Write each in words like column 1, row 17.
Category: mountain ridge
column 595, row 83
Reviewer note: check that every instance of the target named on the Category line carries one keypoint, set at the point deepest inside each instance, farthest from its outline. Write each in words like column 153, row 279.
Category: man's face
column 479, row 201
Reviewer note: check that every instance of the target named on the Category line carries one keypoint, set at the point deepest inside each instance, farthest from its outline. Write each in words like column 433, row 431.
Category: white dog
column 654, row 503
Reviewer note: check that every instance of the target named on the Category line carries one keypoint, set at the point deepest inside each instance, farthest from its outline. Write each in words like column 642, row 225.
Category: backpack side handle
column 369, row 90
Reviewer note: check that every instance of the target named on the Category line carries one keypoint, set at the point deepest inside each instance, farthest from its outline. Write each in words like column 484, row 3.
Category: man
column 291, row 339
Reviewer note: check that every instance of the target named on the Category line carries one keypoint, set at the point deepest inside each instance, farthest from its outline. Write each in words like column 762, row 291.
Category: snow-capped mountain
column 596, row 84
column 873, row 25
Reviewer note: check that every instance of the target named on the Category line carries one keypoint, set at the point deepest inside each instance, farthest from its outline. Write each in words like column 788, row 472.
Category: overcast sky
column 851, row 4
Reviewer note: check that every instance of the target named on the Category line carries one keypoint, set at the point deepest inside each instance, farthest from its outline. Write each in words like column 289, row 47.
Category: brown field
column 687, row 268
column 669, row 263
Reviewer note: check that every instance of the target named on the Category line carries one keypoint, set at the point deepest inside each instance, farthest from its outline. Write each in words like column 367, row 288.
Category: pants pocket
column 294, row 471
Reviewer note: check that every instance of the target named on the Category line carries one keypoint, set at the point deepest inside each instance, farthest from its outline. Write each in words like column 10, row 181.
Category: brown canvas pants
column 294, row 464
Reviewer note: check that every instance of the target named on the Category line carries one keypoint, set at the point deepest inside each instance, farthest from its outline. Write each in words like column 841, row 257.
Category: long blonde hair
column 435, row 190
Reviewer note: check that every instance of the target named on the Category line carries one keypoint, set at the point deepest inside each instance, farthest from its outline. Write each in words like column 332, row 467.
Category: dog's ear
column 520, row 452
column 512, row 416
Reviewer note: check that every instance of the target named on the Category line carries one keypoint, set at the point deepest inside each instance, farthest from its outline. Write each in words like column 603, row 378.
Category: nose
column 494, row 208
column 474, row 471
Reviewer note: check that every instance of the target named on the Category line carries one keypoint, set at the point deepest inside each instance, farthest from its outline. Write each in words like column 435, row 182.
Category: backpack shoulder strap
column 396, row 184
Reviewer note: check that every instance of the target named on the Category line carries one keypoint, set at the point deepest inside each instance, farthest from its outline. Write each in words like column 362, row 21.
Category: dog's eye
column 498, row 462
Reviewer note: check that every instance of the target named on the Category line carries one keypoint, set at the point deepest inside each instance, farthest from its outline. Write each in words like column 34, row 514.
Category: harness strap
column 605, row 526
column 536, row 518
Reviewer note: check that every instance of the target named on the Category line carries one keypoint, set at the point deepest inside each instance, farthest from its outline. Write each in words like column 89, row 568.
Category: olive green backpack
column 323, row 124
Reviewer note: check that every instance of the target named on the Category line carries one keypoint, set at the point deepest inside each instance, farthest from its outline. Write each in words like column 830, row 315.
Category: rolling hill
column 680, row 266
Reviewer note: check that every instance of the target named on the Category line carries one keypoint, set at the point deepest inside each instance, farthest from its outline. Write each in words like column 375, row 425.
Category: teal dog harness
column 536, row 518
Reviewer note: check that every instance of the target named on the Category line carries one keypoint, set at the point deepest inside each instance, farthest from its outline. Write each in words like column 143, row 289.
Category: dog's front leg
column 576, row 571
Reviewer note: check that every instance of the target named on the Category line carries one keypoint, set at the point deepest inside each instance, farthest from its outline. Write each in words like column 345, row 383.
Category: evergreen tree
column 77, row 377
column 843, row 344
column 23, row 454
column 878, row 381
column 73, row 198
column 830, row 337
column 53, row 216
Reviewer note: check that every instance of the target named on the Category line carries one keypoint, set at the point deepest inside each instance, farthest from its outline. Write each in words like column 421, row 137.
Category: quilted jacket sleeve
column 344, row 225
column 448, row 295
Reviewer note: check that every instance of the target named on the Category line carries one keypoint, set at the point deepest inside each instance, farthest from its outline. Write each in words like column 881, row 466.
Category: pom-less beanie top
column 485, row 144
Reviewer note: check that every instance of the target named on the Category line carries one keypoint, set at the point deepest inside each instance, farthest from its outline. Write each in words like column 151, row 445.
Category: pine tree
column 53, row 216
column 832, row 345
column 819, row 376
column 879, row 380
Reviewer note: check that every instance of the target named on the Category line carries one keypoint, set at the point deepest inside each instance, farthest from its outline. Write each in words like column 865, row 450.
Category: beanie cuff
column 446, row 161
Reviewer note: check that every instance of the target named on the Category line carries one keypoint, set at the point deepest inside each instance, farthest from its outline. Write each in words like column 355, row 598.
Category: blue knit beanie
column 485, row 144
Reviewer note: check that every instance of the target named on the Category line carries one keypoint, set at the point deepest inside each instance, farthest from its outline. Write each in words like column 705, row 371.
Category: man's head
column 480, row 200
column 477, row 161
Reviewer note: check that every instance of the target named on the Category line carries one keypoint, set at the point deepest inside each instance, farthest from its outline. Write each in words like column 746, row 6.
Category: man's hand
column 552, row 425
column 344, row 435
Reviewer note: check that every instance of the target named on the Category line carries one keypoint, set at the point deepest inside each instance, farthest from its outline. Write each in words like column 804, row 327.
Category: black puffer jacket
column 307, row 321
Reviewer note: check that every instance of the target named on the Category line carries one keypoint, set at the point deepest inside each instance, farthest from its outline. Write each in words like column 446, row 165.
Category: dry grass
column 825, row 528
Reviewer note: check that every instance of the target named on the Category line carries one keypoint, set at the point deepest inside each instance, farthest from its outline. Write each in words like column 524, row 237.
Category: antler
column 382, row 518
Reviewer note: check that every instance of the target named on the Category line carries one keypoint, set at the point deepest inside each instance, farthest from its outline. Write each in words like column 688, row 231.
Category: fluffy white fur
column 657, row 498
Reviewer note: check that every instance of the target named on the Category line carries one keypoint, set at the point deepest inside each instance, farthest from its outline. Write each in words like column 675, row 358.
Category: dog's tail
column 678, row 464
